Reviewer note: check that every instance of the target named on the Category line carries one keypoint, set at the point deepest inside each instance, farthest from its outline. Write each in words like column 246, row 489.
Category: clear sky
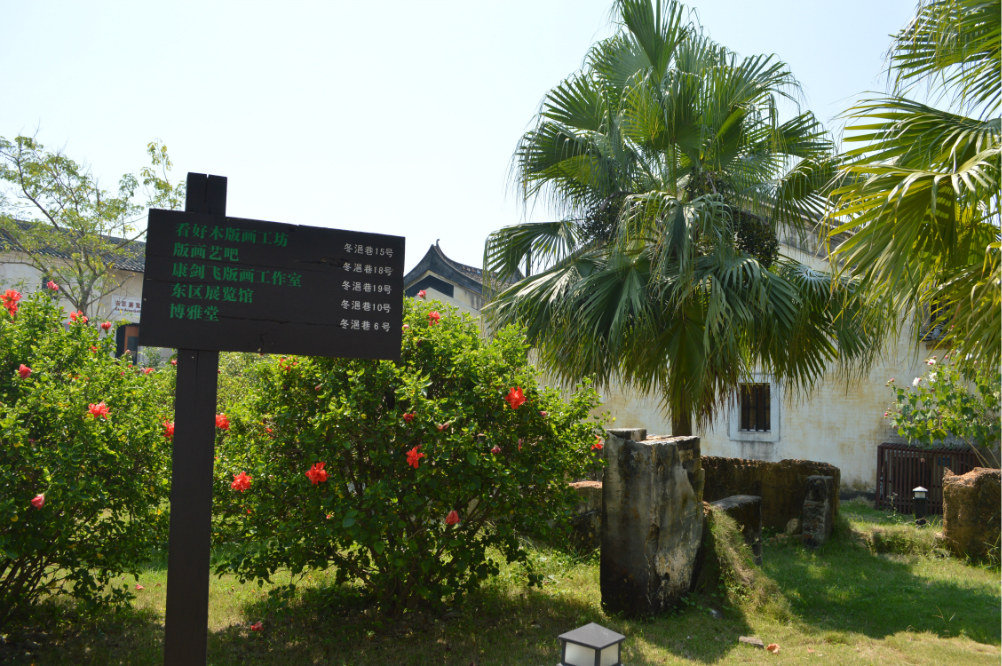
column 395, row 117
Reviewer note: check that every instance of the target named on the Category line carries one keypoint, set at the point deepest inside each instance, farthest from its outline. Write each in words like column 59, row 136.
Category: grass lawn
column 846, row 603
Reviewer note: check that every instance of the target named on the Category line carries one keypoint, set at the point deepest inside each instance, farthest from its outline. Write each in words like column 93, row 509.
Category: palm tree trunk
column 681, row 424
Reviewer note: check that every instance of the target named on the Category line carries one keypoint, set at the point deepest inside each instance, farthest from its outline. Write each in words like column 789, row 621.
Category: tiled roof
column 435, row 261
column 133, row 259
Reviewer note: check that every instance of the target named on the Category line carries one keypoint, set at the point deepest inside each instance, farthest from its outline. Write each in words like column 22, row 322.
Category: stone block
column 586, row 532
column 971, row 511
column 781, row 485
column 635, row 434
column 818, row 516
column 652, row 522
column 746, row 510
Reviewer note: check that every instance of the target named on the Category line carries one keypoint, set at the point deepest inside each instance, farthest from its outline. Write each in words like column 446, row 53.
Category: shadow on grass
column 333, row 625
column 58, row 633
column 843, row 587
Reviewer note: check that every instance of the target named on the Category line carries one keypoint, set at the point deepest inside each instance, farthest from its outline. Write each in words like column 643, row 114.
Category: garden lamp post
column 590, row 645
column 920, row 504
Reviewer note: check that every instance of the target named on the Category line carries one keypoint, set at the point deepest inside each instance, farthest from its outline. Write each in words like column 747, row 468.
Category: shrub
column 80, row 490
column 368, row 465
column 948, row 405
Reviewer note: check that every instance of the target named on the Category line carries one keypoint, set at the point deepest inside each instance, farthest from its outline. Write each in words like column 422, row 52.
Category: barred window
column 756, row 408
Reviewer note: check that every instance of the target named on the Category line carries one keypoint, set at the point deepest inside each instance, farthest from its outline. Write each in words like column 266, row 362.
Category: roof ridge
column 474, row 272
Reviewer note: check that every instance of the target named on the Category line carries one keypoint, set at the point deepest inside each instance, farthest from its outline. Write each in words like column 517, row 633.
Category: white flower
column 932, row 377
column 916, row 381
column 931, row 361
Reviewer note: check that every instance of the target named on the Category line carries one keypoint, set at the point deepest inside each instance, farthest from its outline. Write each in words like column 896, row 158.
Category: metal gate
column 900, row 468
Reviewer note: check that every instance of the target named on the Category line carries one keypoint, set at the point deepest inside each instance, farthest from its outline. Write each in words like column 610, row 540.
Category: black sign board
column 215, row 283
column 232, row 284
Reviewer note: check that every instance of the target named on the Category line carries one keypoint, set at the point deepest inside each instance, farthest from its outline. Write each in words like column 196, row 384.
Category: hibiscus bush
column 412, row 478
column 84, row 462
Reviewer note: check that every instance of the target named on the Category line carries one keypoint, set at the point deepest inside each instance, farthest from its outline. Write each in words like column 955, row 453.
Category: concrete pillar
column 652, row 521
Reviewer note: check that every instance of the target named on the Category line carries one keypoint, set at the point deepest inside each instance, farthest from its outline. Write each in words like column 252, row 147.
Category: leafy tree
column 58, row 219
column 82, row 490
column 919, row 199
column 406, row 476
column 667, row 160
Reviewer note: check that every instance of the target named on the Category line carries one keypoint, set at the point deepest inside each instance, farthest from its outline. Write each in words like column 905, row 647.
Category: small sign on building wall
column 126, row 307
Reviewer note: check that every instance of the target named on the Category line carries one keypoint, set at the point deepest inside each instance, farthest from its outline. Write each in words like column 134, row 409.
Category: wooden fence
column 900, row 468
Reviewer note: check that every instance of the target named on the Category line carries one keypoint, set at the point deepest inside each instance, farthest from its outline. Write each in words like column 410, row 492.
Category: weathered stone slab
column 971, row 511
column 818, row 517
column 652, row 522
column 746, row 510
column 781, row 485
column 635, row 434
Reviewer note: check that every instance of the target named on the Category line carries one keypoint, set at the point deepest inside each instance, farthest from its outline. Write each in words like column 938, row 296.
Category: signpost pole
column 187, row 616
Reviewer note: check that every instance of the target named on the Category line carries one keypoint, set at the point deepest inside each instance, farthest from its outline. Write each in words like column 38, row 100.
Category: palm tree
column 920, row 199
column 665, row 157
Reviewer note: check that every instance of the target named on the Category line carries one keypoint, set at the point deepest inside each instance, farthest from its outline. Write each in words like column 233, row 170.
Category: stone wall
column 652, row 521
column 971, row 512
column 781, row 485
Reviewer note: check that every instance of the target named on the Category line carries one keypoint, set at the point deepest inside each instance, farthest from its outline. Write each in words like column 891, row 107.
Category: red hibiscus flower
column 78, row 316
column 38, row 501
column 407, row 327
column 93, row 349
column 10, row 299
column 52, row 285
column 519, row 443
column 169, row 429
column 24, row 371
column 452, row 518
column 422, row 293
column 139, row 587
column 433, row 317
column 413, row 456
column 222, row 422
column 496, row 450
column 410, row 417
column 100, row 409
column 544, row 414
column 173, row 361
column 106, row 326
column 316, row 474
column 241, row 482
column 597, row 446
column 443, row 426
column 147, row 371
column 257, row 626
column 515, row 397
